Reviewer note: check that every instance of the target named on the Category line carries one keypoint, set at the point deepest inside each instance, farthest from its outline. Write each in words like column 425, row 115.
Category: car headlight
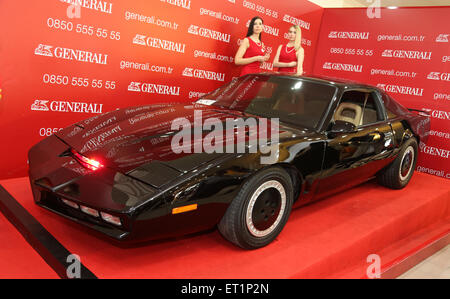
column 70, row 203
column 89, row 211
column 111, row 219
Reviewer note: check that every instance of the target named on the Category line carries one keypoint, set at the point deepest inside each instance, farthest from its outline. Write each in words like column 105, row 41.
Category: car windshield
column 292, row 100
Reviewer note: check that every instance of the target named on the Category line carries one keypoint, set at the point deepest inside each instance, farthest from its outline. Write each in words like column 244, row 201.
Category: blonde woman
column 290, row 57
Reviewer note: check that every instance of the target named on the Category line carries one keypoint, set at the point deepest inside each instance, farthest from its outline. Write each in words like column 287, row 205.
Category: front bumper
column 54, row 204
column 54, row 177
column 145, row 212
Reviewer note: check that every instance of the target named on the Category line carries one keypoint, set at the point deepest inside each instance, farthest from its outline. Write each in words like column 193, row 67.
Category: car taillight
column 89, row 211
column 86, row 162
column 111, row 219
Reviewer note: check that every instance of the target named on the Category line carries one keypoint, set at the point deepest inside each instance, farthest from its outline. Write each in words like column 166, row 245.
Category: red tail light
column 86, row 162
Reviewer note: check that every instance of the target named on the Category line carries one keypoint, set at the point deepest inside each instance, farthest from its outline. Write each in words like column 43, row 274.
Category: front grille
column 53, row 203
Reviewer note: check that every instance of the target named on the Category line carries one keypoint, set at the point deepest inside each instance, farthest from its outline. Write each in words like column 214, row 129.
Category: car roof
column 339, row 82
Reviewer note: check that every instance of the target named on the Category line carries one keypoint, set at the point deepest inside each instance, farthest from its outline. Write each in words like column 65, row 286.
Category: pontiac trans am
column 118, row 174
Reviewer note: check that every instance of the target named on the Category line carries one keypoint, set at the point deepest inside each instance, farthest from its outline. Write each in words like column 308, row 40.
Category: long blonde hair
column 298, row 37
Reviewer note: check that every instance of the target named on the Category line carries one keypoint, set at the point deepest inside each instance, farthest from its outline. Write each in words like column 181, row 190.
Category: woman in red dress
column 251, row 52
column 289, row 57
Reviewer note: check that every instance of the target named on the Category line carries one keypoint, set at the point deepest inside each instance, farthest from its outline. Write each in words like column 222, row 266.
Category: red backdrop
column 407, row 53
column 56, row 70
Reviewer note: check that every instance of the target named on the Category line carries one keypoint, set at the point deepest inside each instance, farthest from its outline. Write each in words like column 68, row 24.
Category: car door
column 355, row 155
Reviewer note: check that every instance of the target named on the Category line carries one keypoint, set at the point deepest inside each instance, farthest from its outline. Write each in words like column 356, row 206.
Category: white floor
column 436, row 266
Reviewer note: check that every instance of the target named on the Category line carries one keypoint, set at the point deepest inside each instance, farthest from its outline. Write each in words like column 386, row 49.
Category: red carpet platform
column 329, row 238
column 17, row 258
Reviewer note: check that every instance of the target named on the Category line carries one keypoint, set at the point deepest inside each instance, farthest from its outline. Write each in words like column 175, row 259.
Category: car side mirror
column 340, row 127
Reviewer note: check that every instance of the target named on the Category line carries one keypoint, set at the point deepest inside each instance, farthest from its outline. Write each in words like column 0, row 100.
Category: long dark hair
column 250, row 26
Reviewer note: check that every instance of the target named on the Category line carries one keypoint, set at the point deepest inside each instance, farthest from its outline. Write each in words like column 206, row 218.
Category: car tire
column 398, row 174
column 260, row 210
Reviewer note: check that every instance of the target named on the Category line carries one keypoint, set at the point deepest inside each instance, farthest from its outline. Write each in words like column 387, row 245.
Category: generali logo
column 193, row 29
column 267, row 29
column 154, row 42
column 97, row 5
column 439, row 76
column 434, row 151
column 66, row 106
column 270, row 30
column 134, row 86
column 44, row 50
column 209, row 33
column 349, row 35
column 442, row 38
column 434, row 76
column 404, row 54
column 139, row 40
column 295, row 21
column 333, row 34
column 180, row 3
column 188, row 72
column 202, row 74
column 388, row 53
column 154, row 88
column 71, row 54
column 40, row 105
column 439, row 114
column 343, row 67
column 406, row 90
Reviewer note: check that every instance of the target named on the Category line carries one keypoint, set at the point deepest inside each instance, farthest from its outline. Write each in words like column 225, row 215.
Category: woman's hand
column 262, row 58
column 293, row 63
column 300, row 59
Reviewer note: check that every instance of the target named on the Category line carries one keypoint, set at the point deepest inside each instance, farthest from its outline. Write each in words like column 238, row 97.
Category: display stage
column 331, row 238
column 17, row 258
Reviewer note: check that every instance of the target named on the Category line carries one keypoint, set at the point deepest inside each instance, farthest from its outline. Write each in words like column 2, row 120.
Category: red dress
column 253, row 50
column 287, row 54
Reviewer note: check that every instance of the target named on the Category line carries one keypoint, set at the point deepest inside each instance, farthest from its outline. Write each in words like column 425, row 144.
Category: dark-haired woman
column 251, row 52
column 289, row 57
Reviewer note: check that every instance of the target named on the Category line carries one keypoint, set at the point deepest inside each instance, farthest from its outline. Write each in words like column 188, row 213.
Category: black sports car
column 119, row 174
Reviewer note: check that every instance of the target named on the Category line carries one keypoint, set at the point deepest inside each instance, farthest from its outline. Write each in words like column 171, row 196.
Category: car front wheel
column 260, row 210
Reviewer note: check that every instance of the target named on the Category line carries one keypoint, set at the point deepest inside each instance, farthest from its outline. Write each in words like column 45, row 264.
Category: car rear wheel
column 398, row 174
column 260, row 210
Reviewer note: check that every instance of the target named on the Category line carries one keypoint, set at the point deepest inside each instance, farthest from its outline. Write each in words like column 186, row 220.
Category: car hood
column 137, row 140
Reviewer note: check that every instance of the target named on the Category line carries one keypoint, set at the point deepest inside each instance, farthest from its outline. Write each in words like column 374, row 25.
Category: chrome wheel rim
column 407, row 163
column 266, row 208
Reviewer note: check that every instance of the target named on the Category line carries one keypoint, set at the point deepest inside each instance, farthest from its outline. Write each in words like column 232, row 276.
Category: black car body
column 150, row 192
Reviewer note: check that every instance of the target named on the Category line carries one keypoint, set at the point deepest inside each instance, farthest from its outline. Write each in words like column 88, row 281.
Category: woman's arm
column 276, row 60
column 300, row 59
column 239, row 60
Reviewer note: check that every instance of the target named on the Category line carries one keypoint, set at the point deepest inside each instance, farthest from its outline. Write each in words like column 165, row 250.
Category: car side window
column 359, row 108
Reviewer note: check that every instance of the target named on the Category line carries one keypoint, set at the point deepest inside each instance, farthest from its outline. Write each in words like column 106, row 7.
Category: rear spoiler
column 420, row 123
